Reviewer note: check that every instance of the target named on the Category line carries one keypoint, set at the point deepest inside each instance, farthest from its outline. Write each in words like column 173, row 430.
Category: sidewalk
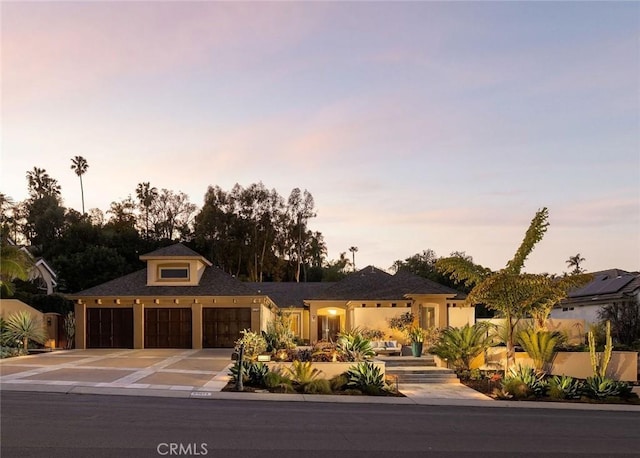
column 201, row 374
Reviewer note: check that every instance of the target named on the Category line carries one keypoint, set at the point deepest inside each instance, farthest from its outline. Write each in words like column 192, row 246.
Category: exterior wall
column 377, row 318
column 586, row 313
column 461, row 316
column 574, row 329
column 329, row 370
column 258, row 314
column 320, row 308
column 623, row 364
column 49, row 321
column 196, row 269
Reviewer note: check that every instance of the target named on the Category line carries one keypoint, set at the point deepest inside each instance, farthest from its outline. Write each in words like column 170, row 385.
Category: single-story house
column 607, row 287
column 181, row 301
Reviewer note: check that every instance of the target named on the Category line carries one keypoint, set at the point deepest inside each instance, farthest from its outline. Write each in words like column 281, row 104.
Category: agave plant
column 366, row 377
column 529, row 377
column 354, row 347
column 601, row 387
column 253, row 374
column 461, row 345
column 565, row 387
column 540, row 346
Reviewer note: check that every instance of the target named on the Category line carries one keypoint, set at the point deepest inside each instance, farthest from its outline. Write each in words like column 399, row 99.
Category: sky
column 414, row 125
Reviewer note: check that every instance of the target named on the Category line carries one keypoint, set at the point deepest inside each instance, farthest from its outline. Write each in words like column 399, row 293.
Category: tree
column 15, row 263
column 461, row 345
column 353, row 250
column 146, row 196
column 575, row 261
column 79, row 165
column 625, row 321
column 300, row 208
column 510, row 292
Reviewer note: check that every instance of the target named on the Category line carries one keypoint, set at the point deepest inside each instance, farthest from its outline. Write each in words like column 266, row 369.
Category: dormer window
column 173, row 272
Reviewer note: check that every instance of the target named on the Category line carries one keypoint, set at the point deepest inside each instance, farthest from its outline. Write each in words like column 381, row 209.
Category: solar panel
column 603, row 285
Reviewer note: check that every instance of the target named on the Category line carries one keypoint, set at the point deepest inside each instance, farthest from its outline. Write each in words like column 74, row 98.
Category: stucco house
column 181, row 301
column 607, row 287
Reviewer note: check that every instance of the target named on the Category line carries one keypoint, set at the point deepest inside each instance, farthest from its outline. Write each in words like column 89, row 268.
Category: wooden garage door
column 109, row 328
column 167, row 328
column 222, row 326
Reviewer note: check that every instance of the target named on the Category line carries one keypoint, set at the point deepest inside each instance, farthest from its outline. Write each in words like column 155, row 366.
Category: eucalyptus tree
column 300, row 208
column 509, row 291
column 80, row 165
column 147, row 195
column 171, row 214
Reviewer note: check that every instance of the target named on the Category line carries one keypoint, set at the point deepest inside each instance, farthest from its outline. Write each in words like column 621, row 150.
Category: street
column 59, row 425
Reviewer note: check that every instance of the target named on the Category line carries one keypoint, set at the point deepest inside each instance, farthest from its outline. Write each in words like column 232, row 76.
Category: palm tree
column 80, row 166
column 41, row 184
column 25, row 327
column 461, row 345
column 354, row 250
column 575, row 261
column 15, row 263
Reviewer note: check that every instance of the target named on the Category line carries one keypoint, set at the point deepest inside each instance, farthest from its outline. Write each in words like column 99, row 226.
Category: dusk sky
column 414, row 125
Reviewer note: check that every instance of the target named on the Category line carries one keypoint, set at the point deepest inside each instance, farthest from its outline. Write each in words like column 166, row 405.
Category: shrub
column 254, row 344
column 339, row 382
column 565, row 387
column 366, row 377
column 279, row 335
column 319, row 386
column 325, row 352
column 303, row 372
column 460, row 345
column 25, row 327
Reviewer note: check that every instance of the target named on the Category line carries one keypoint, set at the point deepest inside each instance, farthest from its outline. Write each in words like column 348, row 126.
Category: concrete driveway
column 167, row 369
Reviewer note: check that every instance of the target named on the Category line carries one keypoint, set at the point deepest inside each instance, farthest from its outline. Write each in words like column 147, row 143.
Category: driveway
column 167, row 369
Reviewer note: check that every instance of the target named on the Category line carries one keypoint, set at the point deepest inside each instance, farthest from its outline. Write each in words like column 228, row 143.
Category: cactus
column 599, row 363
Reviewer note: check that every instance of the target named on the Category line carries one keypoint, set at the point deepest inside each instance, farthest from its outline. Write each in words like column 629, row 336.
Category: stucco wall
column 329, row 370
column 460, row 316
column 574, row 329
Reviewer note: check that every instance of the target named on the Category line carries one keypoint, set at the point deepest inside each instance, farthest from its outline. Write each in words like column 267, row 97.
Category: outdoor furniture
column 386, row 347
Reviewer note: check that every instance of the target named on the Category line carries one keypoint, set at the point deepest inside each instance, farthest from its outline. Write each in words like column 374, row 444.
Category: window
column 174, row 273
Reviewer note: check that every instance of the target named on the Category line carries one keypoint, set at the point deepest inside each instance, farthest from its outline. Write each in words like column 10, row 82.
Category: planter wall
column 329, row 370
column 623, row 365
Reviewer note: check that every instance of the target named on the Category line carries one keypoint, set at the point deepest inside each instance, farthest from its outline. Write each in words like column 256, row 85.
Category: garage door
column 222, row 326
column 167, row 328
column 109, row 328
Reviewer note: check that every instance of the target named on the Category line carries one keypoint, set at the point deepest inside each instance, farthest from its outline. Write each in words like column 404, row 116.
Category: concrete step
column 393, row 361
column 425, row 378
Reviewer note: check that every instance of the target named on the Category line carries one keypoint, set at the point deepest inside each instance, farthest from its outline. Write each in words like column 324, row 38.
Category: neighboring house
column 181, row 301
column 42, row 275
column 613, row 286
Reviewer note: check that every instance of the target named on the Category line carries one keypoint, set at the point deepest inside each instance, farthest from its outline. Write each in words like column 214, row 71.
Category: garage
column 109, row 327
column 167, row 328
column 222, row 326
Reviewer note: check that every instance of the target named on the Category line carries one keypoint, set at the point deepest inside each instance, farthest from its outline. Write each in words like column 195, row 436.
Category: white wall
column 588, row 313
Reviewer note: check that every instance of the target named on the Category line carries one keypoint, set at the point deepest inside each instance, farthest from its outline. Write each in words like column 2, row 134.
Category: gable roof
column 173, row 251
column 214, row 282
column 372, row 283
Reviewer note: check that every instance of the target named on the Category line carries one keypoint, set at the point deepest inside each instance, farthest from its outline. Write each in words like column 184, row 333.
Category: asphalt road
column 60, row 425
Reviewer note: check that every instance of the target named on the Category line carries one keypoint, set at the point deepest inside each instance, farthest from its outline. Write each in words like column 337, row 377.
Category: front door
column 328, row 327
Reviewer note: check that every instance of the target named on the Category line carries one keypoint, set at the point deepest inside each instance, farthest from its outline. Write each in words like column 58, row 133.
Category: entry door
column 222, row 326
column 167, row 328
column 328, row 327
column 109, row 327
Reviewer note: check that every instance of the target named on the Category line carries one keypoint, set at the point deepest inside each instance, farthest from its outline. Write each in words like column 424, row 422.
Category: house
column 613, row 286
column 181, row 301
column 41, row 274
